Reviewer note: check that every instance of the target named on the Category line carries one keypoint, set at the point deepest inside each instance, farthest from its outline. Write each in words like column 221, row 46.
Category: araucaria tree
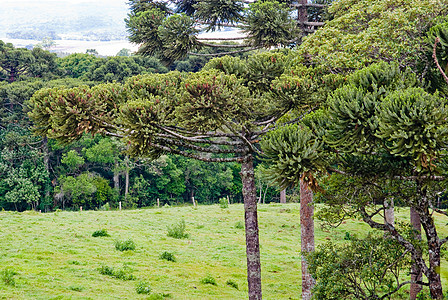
column 379, row 137
column 169, row 29
column 216, row 115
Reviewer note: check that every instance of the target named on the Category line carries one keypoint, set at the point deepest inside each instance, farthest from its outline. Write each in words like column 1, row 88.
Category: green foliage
column 216, row 12
column 177, row 230
column 143, row 287
column 23, row 176
column 126, row 245
column 72, row 159
column 239, row 225
column 77, row 64
column 366, row 31
column 120, row 68
column 364, row 269
column 413, row 123
column 177, row 34
column 20, row 62
column 123, row 273
column 7, row 276
column 168, row 256
column 269, row 23
column 100, row 233
column 208, row 280
column 80, row 190
column 232, row 283
column 292, row 151
column 223, row 203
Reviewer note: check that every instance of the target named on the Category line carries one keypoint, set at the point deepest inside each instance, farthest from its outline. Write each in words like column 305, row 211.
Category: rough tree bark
column 283, row 196
column 116, row 178
column 416, row 274
column 251, row 221
column 307, row 236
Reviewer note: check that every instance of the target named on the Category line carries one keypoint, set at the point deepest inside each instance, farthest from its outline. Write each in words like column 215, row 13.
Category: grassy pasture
column 55, row 256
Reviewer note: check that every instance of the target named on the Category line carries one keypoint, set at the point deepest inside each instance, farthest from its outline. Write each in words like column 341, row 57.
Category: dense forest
column 95, row 171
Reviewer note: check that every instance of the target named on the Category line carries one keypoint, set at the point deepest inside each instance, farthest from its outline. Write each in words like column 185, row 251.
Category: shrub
column 177, row 230
column 208, row 280
column 239, row 225
column 125, row 245
column 102, row 232
column 168, row 256
column 223, row 203
column 7, row 276
column 143, row 288
column 105, row 206
column 232, row 283
column 123, row 274
column 76, row 288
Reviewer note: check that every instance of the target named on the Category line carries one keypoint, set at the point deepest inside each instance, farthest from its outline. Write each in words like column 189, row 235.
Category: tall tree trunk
column 251, row 221
column 116, row 177
column 283, row 196
column 307, row 236
column 126, row 177
column 47, row 166
column 433, row 241
column 389, row 212
column 416, row 274
column 302, row 15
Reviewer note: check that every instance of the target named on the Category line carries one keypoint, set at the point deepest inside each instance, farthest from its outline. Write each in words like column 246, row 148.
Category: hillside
column 71, row 19
column 55, row 255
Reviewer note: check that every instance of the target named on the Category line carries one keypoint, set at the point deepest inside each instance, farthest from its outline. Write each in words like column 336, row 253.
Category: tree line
column 355, row 114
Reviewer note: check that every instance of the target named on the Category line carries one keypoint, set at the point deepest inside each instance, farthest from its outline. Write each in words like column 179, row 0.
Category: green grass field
column 55, row 256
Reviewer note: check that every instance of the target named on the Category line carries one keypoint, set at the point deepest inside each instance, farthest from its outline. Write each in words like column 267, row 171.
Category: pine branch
column 224, row 46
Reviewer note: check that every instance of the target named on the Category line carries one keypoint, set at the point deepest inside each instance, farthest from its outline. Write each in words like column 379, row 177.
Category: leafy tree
column 378, row 127
column 374, row 263
column 121, row 67
column 23, row 176
column 17, row 62
column 364, row 32
column 216, row 115
column 124, row 52
column 77, row 64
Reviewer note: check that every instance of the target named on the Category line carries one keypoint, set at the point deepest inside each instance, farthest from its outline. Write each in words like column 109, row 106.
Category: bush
column 168, row 256
column 223, row 203
column 239, row 225
column 208, row 280
column 102, row 232
column 105, row 206
column 177, row 230
column 7, row 276
column 143, row 288
column 125, row 245
column 232, row 283
column 123, row 274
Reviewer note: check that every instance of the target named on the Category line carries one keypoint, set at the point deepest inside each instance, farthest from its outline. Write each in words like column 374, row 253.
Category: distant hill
column 95, row 20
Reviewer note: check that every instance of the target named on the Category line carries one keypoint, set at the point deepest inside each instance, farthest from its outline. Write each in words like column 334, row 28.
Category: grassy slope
column 56, row 257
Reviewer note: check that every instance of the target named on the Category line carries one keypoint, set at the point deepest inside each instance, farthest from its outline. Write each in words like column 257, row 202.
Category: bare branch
column 434, row 55
column 222, row 39
column 310, row 5
column 203, row 149
column 194, row 156
column 224, row 53
column 224, row 46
